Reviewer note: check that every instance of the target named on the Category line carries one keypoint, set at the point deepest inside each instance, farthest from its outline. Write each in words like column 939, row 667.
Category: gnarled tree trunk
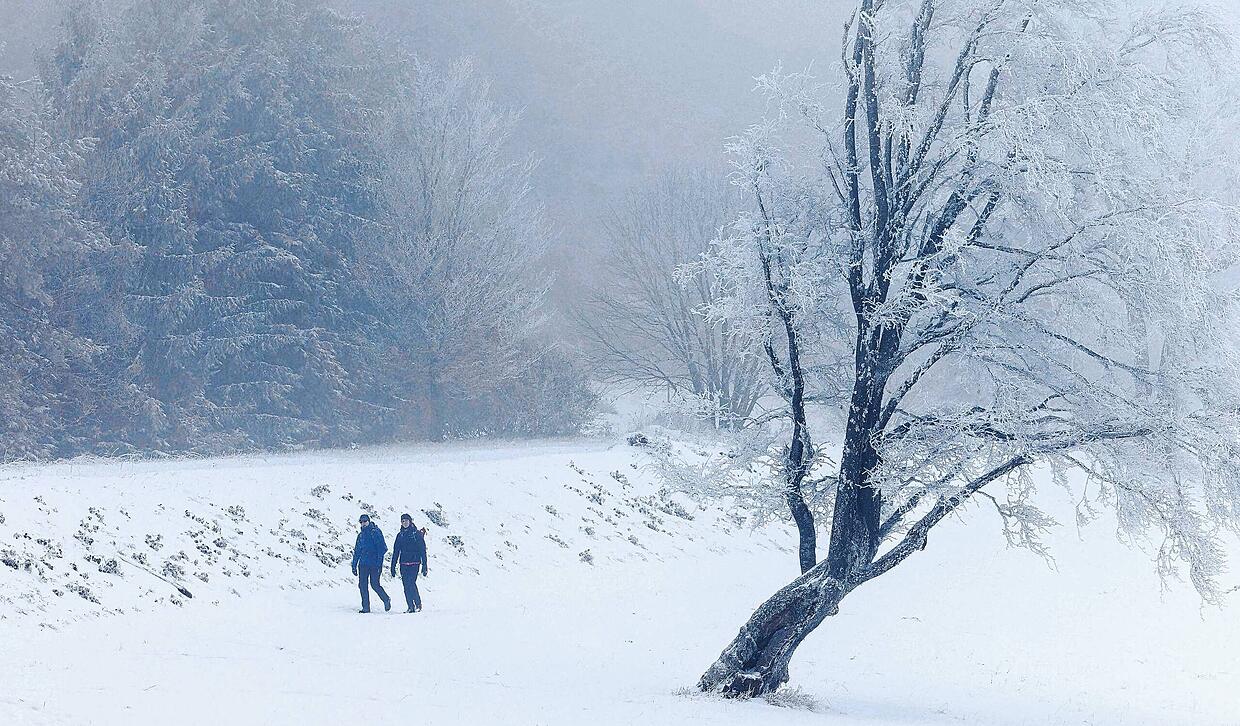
column 756, row 661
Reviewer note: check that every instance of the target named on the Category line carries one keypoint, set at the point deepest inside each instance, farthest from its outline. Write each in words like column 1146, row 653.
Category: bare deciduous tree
column 457, row 268
column 1008, row 231
column 648, row 325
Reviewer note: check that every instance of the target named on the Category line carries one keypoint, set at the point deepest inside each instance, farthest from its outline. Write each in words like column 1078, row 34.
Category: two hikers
column 409, row 550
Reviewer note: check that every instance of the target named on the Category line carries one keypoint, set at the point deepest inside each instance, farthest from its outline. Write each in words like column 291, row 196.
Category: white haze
column 611, row 92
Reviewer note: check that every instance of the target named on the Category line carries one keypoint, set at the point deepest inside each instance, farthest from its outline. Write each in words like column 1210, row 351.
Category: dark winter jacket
column 409, row 547
column 370, row 547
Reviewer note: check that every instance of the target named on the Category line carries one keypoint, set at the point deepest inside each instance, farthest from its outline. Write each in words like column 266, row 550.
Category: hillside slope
column 563, row 589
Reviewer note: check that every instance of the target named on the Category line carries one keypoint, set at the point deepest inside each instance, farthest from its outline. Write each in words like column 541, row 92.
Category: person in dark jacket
column 409, row 550
column 368, row 555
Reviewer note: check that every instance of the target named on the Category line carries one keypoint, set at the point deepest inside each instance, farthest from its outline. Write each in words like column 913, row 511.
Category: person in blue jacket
column 409, row 550
column 368, row 555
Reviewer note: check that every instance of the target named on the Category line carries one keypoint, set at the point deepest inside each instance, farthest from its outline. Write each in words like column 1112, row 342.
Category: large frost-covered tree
column 229, row 150
column 999, row 258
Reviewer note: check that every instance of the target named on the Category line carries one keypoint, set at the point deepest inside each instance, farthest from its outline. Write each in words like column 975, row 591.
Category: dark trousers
column 409, row 578
column 367, row 574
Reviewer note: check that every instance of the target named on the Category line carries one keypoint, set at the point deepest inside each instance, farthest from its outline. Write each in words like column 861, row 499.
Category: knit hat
column 364, row 518
column 406, row 516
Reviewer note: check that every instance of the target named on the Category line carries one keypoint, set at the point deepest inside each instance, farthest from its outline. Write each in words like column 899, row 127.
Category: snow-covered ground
column 563, row 589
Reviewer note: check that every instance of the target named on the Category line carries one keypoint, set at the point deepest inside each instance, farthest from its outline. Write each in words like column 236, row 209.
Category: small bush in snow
column 53, row 549
column 436, row 515
column 83, row 591
column 793, row 698
column 667, row 505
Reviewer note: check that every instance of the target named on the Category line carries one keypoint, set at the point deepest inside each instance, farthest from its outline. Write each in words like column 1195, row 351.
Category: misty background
column 610, row 93
column 609, row 100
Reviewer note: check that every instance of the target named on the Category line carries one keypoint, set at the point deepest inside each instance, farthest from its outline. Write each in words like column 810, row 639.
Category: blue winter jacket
column 370, row 547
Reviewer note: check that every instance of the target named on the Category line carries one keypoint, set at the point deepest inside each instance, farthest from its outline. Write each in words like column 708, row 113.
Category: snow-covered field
column 563, row 589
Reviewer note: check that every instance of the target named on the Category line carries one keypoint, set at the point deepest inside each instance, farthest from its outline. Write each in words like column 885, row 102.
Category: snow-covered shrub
column 436, row 515
column 456, row 543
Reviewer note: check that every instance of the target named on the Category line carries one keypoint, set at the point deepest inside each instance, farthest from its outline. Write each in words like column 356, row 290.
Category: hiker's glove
column 424, row 572
column 393, row 572
column 354, row 570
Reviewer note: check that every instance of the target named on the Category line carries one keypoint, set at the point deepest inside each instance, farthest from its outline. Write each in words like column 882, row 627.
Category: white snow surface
column 519, row 629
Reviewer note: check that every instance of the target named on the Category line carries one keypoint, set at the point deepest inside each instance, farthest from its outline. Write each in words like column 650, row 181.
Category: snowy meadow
column 563, row 588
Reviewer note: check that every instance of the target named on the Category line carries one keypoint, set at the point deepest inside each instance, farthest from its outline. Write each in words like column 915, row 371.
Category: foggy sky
column 614, row 91
column 611, row 90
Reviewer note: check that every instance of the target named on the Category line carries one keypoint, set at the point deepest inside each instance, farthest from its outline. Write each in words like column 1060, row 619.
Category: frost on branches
column 229, row 225
column 49, row 370
column 993, row 253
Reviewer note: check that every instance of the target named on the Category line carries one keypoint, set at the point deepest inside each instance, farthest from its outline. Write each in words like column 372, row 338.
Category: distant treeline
column 238, row 224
